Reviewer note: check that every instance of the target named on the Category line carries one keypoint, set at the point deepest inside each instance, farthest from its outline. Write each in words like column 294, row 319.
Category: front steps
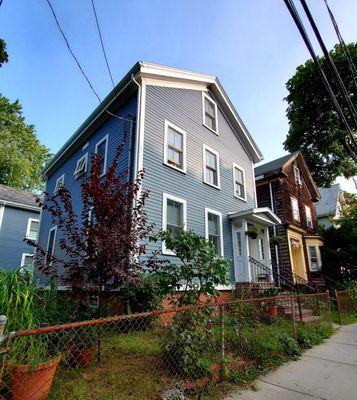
column 291, row 311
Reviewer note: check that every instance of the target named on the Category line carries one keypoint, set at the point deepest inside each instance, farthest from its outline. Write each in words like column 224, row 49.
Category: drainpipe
column 274, row 230
column 136, row 159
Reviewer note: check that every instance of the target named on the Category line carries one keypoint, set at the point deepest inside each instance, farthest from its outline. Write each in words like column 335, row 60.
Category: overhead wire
column 345, row 49
column 346, row 145
column 79, row 65
column 102, row 42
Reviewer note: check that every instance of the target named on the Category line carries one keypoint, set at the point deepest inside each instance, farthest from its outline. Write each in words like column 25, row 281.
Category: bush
column 288, row 345
column 188, row 346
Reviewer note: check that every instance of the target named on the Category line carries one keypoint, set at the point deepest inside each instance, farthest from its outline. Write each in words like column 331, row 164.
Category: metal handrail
column 293, row 286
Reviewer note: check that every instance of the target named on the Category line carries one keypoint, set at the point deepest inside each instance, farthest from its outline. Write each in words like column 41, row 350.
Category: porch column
column 245, row 242
column 266, row 244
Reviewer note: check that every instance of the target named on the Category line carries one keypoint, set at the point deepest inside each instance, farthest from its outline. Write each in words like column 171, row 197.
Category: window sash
column 81, row 166
column 59, row 183
column 239, row 244
column 214, row 231
column 314, row 260
column 295, row 209
column 211, row 167
column 297, row 175
column 308, row 216
column 175, row 144
column 174, row 216
column 210, row 113
column 50, row 245
column 33, row 231
column 101, row 151
column 239, row 182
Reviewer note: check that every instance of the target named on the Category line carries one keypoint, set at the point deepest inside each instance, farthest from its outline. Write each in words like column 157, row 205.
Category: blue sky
column 252, row 46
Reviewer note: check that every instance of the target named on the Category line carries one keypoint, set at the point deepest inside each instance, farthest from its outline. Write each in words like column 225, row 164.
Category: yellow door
column 297, row 258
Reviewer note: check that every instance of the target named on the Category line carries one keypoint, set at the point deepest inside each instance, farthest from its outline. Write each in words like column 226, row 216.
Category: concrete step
column 310, row 319
column 305, row 312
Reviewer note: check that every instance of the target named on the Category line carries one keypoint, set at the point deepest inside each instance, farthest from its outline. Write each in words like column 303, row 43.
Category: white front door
column 240, row 253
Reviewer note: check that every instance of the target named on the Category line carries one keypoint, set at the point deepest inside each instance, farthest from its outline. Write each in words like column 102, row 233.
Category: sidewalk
column 328, row 372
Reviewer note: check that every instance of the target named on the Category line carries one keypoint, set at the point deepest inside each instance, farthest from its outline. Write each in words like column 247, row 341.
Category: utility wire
column 102, row 43
column 345, row 49
column 291, row 7
column 80, row 67
column 334, row 71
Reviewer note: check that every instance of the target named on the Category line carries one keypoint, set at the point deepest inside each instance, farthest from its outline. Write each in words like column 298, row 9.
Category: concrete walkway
column 328, row 372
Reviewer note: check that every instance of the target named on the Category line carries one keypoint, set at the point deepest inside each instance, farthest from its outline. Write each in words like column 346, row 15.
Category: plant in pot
column 270, row 309
column 253, row 232
column 276, row 240
column 32, row 364
column 82, row 347
column 32, row 367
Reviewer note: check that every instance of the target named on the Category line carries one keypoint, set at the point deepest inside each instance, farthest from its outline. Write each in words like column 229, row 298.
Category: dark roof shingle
column 18, row 196
column 272, row 165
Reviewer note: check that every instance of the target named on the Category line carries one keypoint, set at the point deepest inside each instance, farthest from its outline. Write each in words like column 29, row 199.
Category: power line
column 335, row 74
column 102, row 43
column 345, row 49
column 79, row 65
column 291, row 7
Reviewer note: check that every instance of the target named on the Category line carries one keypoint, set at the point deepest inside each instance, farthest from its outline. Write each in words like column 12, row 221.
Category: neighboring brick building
column 287, row 187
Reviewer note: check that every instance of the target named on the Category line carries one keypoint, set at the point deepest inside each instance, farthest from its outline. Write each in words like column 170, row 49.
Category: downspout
column 136, row 159
column 274, row 230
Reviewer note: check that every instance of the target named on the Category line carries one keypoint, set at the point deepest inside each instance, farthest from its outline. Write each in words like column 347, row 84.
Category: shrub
column 288, row 345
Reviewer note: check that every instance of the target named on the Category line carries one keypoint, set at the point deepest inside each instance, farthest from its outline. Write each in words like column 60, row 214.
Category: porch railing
column 263, row 273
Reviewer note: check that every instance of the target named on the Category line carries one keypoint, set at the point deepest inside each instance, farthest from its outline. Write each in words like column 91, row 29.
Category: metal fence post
column 329, row 311
column 299, row 305
column 293, row 315
column 338, row 307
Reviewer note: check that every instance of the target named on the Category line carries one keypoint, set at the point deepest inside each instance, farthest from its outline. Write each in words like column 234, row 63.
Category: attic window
column 59, row 183
column 81, row 166
column 209, row 113
column 297, row 175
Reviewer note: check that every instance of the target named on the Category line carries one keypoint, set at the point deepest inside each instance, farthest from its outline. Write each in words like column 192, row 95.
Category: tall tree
column 315, row 128
column 4, row 57
column 101, row 245
column 22, row 156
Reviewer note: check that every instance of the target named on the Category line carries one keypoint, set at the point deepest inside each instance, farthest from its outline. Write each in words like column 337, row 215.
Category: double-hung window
column 211, row 167
column 314, row 258
column 239, row 182
column 59, row 183
column 51, row 245
column 297, row 175
column 27, row 263
column 101, row 148
column 295, row 209
column 308, row 217
column 32, row 229
column 81, row 167
column 214, row 230
column 174, row 217
column 209, row 113
column 175, row 147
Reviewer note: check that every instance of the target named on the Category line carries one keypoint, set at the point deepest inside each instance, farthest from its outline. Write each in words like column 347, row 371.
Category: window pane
column 28, row 261
column 101, row 150
column 174, row 220
column 211, row 160
column 239, row 175
column 33, row 230
column 214, row 231
column 210, row 108
column 50, row 246
column 239, row 243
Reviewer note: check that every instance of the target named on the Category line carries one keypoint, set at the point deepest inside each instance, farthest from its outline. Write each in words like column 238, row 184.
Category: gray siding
column 183, row 108
column 12, row 234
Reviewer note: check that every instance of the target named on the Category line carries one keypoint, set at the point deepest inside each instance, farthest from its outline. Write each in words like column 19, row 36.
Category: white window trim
column 60, row 179
column 183, row 133
column 234, row 182
column 29, row 225
column 165, row 197
column 48, row 242
column 318, row 256
column 292, row 198
column 210, row 211
column 105, row 138
column 24, row 255
column 205, row 147
column 84, row 157
column 206, row 96
column 309, row 222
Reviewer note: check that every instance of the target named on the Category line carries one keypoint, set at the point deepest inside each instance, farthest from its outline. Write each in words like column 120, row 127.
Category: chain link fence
column 181, row 353
column 346, row 306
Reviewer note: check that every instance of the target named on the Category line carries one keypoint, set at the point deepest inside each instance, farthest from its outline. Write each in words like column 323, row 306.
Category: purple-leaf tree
column 101, row 245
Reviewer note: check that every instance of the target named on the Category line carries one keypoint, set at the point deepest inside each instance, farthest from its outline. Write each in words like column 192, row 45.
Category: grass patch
column 130, row 369
column 347, row 319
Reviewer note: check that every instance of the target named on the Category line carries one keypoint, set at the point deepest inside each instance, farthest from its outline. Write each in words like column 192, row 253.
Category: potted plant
column 31, row 368
column 270, row 309
column 275, row 240
column 253, row 232
column 82, row 348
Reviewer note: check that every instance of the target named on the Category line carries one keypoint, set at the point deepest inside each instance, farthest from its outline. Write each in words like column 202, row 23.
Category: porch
column 251, row 245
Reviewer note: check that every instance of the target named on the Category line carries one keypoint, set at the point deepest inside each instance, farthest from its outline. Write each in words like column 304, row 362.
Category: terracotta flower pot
column 28, row 383
column 82, row 357
column 272, row 311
